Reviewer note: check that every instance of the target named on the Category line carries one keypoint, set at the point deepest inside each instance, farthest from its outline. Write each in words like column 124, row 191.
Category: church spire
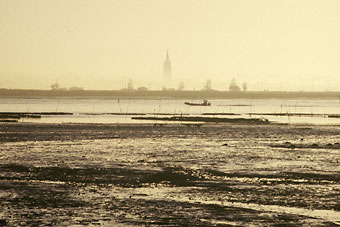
column 167, row 67
column 167, row 56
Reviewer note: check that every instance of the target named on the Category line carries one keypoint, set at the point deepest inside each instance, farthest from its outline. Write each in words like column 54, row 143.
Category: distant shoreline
column 154, row 94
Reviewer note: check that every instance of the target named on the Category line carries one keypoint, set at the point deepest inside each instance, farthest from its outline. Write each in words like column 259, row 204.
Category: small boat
column 334, row 115
column 204, row 103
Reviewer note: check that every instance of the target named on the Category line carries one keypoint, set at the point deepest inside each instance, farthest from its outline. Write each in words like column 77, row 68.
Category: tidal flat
column 170, row 175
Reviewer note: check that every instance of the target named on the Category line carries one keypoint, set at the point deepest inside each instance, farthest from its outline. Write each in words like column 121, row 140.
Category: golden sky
column 100, row 44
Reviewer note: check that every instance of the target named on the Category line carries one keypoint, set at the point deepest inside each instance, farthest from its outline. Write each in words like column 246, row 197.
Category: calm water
column 100, row 111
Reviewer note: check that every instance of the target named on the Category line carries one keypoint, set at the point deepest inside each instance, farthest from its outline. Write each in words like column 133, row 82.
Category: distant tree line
column 232, row 86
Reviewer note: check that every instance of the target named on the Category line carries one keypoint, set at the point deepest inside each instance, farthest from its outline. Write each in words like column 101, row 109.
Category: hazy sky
column 100, row 44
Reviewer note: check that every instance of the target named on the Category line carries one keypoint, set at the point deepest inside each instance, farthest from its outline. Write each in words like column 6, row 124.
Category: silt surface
column 170, row 175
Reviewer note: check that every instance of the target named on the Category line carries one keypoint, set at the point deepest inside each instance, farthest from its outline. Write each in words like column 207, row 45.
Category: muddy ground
column 171, row 175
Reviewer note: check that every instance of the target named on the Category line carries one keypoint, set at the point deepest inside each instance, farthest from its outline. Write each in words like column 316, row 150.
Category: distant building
column 168, row 89
column 130, row 85
column 167, row 68
column 207, row 86
column 76, row 88
column 142, row 89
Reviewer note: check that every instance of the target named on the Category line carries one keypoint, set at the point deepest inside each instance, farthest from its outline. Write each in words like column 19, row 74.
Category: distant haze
column 270, row 44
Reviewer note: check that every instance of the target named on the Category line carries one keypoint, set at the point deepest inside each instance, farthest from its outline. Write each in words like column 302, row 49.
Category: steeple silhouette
column 167, row 56
column 167, row 68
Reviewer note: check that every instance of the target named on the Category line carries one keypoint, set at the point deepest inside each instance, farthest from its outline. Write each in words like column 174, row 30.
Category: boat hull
column 197, row 104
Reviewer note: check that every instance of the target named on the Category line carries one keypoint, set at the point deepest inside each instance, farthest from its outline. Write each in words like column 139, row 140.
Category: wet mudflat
column 123, row 175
